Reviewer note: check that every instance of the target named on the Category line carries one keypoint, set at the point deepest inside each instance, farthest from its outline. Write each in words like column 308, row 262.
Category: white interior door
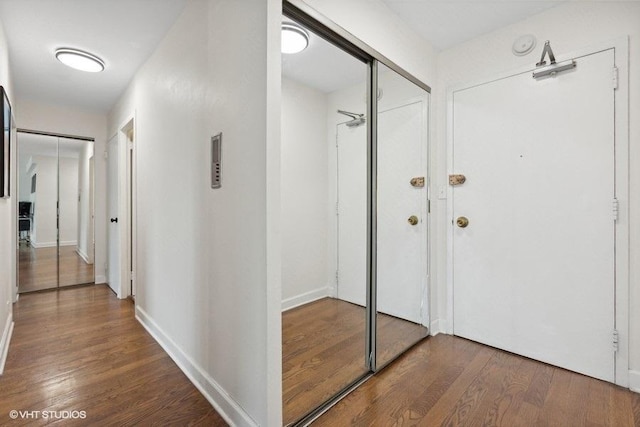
column 402, row 246
column 112, row 208
column 352, row 214
column 533, row 272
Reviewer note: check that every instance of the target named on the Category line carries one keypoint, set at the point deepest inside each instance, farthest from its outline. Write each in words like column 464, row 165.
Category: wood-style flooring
column 81, row 349
column 38, row 268
column 323, row 351
column 449, row 381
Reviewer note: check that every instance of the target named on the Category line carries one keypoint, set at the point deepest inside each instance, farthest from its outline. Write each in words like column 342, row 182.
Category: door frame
column 621, row 150
column 126, row 207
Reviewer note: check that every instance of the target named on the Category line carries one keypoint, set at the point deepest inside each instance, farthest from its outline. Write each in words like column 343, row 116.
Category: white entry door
column 112, row 209
column 533, row 272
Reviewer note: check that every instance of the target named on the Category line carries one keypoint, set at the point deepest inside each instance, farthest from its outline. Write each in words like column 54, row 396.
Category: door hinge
column 615, row 340
column 615, row 78
column 615, row 209
column 337, row 208
column 428, row 206
column 337, row 277
column 131, row 276
column 106, row 154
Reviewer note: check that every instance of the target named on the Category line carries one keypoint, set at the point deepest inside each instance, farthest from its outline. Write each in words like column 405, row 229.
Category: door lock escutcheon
column 417, row 182
column 413, row 220
column 457, row 179
column 462, row 221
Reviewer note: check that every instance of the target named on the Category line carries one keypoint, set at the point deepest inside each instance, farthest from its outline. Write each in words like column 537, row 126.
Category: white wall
column 64, row 120
column 48, row 170
column 204, row 288
column 68, row 176
column 570, row 27
column 305, row 198
column 8, row 223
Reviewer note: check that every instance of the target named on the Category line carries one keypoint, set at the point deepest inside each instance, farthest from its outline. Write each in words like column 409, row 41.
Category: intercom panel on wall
column 216, row 161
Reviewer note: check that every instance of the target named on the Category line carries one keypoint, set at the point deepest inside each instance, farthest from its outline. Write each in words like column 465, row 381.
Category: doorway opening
column 121, row 211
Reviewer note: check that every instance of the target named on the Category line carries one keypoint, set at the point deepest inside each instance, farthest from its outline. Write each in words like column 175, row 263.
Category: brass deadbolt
column 413, row 220
column 462, row 221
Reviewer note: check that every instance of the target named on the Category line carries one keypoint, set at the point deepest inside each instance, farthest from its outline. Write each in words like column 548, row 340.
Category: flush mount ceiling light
column 294, row 38
column 79, row 60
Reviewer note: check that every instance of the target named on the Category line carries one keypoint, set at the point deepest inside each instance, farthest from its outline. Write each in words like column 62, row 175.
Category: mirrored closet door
column 355, row 206
column 55, row 211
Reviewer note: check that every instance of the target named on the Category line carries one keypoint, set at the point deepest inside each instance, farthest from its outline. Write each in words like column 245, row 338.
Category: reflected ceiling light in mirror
column 294, row 38
column 80, row 60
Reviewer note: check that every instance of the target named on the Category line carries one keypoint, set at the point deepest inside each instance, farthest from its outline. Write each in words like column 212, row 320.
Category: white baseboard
column 440, row 326
column 305, row 298
column 40, row 245
column 84, row 256
column 101, row 280
column 5, row 340
column 435, row 328
column 634, row 381
column 223, row 403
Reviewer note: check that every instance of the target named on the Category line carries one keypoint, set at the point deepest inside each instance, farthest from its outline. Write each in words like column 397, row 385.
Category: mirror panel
column 56, row 247
column 324, row 225
column 75, row 223
column 37, row 217
column 402, row 215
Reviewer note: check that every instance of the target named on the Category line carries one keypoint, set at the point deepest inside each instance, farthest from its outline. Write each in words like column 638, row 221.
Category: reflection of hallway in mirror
column 323, row 350
column 38, row 268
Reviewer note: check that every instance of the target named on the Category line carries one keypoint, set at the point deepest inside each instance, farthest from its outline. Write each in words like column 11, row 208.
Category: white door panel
column 533, row 272
column 352, row 217
column 401, row 257
column 112, row 208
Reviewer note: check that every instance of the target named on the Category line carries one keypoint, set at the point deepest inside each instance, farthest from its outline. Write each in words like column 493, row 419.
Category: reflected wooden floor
column 38, row 268
column 450, row 381
column 81, row 349
column 323, row 348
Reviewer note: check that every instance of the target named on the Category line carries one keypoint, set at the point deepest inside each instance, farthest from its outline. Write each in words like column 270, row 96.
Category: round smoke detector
column 523, row 45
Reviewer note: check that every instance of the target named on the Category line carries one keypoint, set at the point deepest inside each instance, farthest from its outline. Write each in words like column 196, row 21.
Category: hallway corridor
column 81, row 349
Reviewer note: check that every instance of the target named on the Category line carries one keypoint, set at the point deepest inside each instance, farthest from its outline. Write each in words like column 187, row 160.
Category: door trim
column 126, row 206
column 620, row 47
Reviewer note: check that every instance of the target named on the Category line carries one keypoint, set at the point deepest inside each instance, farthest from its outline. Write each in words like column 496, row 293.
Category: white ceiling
column 125, row 32
column 121, row 32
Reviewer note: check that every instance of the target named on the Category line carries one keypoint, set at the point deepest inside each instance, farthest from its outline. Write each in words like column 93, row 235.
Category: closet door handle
column 114, row 219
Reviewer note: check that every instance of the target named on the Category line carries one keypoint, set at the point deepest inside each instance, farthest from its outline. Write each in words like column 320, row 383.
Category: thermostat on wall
column 216, row 161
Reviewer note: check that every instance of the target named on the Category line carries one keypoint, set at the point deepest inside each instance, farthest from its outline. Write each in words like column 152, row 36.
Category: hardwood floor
column 323, row 348
column 450, row 381
column 81, row 349
column 38, row 268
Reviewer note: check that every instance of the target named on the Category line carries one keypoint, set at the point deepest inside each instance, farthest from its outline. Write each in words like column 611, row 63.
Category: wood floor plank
column 82, row 349
column 323, row 348
column 48, row 268
column 463, row 383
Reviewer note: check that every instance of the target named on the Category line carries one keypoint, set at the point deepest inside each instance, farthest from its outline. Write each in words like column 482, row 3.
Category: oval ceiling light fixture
column 294, row 38
column 80, row 60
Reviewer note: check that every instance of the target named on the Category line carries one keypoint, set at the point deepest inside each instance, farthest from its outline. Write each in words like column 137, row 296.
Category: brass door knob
column 413, row 220
column 462, row 221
